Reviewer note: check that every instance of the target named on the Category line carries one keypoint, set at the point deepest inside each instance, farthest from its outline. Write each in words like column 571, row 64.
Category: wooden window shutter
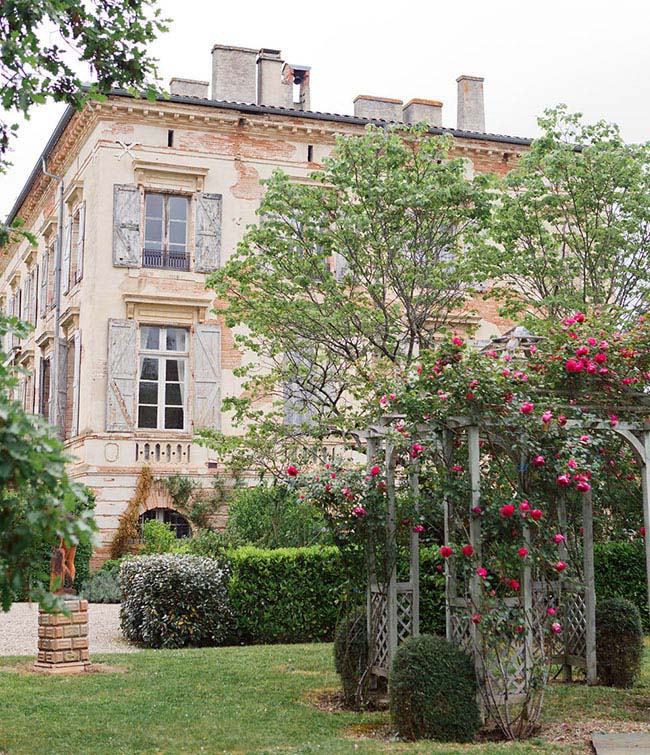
column 62, row 386
column 121, row 375
column 207, row 376
column 207, row 247
column 34, row 295
column 126, row 226
column 44, row 277
column 80, row 242
column 67, row 249
column 76, row 366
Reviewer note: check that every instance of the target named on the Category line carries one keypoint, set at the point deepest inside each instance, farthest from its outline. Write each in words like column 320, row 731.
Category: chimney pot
column 471, row 108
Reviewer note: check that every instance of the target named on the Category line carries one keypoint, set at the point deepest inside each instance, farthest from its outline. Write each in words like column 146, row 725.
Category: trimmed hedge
column 432, row 689
column 620, row 572
column 174, row 601
column 351, row 658
column 619, row 642
column 286, row 594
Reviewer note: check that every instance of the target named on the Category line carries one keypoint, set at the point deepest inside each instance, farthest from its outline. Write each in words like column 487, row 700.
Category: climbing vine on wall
column 127, row 529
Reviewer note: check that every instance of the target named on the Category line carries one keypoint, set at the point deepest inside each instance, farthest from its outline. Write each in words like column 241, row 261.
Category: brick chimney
column 419, row 111
column 234, row 74
column 471, row 110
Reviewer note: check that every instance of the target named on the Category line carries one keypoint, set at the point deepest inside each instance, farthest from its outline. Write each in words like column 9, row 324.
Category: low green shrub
column 351, row 658
column 286, row 594
column 173, row 601
column 619, row 642
column 157, row 537
column 271, row 516
column 620, row 572
column 208, row 543
column 102, row 587
column 433, row 691
column 432, row 592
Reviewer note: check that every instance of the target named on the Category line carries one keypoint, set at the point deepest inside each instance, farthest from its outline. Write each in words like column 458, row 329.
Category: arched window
column 176, row 521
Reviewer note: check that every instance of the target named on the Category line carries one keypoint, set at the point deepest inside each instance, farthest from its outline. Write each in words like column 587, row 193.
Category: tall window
column 165, row 231
column 162, row 382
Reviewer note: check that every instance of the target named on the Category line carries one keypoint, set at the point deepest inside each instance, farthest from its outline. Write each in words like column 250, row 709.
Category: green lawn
column 236, row 700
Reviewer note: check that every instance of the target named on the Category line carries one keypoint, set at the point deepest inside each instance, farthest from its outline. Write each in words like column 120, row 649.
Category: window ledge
column 167, row 308
column 169, row 176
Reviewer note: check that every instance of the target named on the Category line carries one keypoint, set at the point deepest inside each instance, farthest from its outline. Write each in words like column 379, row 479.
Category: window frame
column 162, row 356
column 165, row 252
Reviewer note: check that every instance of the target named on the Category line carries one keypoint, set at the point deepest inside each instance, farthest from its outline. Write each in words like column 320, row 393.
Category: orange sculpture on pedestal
column 62, row 571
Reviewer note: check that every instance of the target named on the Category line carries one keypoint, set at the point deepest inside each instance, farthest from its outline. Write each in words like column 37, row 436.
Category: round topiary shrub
column 619, row 642
column 351, row 658
column 173, row 601
column 432, row 690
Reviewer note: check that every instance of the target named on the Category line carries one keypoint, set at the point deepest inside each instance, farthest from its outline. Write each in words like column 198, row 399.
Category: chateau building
column 146, row 199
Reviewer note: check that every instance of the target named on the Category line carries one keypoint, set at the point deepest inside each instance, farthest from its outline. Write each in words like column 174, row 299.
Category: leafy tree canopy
column 572, row 223
column 355, row 270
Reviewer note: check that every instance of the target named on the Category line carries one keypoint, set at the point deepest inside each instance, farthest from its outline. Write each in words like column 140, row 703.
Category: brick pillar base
column 63, row 640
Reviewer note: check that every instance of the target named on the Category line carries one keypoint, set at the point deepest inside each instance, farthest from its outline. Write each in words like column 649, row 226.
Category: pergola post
column 645, row 485
column 475, row 521
column 414, row 571
column 590, row 588
column 391, row 549
column 450, row 579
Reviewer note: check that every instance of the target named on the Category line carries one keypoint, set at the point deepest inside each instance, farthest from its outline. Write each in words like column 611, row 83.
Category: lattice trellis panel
column 574, row 612
column 379, row 627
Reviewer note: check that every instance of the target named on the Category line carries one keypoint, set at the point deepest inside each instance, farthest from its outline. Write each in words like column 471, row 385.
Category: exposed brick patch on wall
column 236, row 144
column 231, row 356
column 248, row 184
column 487, row 309
column 117, row 128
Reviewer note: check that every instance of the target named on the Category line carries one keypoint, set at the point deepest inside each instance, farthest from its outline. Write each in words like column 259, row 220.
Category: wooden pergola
column 393, row 607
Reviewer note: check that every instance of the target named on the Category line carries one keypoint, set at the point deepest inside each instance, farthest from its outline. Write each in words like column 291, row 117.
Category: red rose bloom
column 508, row 510
column 468, row 550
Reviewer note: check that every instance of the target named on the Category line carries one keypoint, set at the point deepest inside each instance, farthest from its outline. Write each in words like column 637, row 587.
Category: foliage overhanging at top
column 43, row 46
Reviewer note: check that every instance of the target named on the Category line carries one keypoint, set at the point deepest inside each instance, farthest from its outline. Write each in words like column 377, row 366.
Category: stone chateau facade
column 155, row 196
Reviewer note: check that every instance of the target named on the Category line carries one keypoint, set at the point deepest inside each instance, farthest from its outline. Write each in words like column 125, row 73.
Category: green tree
column 38, row 502
column 348, row 274
column 572, row 223
column 45, row 45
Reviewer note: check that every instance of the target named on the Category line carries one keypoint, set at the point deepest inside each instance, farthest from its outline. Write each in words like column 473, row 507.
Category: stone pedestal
column 63, row 640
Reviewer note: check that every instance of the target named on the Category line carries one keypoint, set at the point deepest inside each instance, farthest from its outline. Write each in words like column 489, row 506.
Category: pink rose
column 583, row 486
column 564, row 480
column 476, row 618
column 359, row 511
column 558, row 538
column 547, row 417
column 556, row 628
column 523, row 552
column 539, row 461
column 536, row 514
column 527, row 408
column 507, row 511
column 524, row 506
column 457, row 341
column 468, row 550
column 418, row 528
column 559, row 566
column 446, row 551
column 551, row 611
column 375, row 470
column 292, row 471
column 482, row 573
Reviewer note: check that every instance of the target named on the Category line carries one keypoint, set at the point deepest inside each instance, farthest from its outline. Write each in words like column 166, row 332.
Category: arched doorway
column 178, row 523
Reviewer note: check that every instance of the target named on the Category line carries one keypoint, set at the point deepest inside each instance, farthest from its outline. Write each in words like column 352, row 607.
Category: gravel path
column 19, row 630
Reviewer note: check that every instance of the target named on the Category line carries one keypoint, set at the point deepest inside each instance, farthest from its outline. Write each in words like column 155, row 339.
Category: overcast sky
column 590, row 54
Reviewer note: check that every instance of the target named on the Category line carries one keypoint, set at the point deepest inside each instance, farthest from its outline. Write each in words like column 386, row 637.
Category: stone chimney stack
column 427, row 111
column 299, row 76
column 234, row 74
column 272, row 88
column 377, row 108
column 189, row 88
column 471, row 110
